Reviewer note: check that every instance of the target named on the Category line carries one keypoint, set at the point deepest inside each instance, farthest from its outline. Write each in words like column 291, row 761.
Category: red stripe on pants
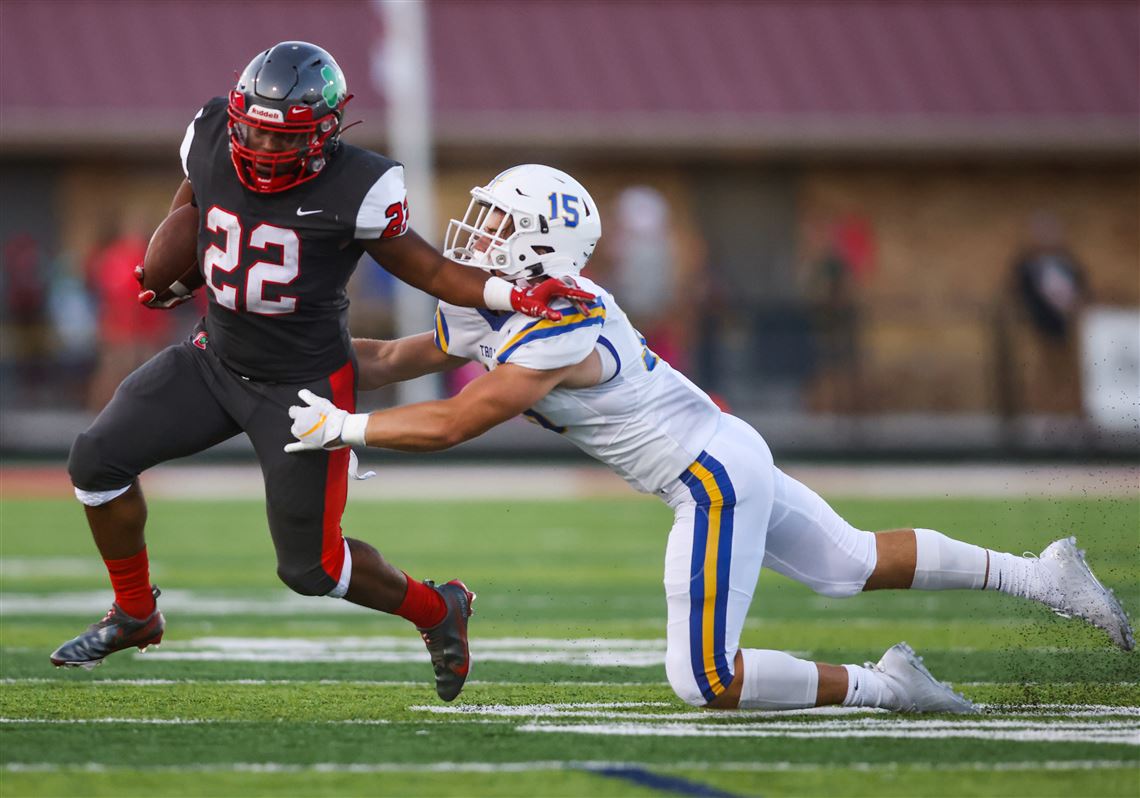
column 343, row 384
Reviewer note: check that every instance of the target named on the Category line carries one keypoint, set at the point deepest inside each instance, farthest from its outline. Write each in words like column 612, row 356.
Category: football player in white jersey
column 590, row 377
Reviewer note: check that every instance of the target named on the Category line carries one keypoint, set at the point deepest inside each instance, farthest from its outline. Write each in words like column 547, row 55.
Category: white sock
column 775, row 680
column 942, row 563
column 1017, row 576
column 867, row 688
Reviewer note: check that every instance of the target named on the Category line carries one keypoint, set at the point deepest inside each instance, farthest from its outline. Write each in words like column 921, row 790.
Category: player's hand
column 317, row 424
column 148, row 297
column 535, row 301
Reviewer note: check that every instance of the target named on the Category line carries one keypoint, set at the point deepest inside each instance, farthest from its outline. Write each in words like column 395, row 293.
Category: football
column 172, row 254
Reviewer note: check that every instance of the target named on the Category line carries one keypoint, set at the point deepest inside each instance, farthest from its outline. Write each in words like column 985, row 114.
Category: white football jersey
column 644, row 420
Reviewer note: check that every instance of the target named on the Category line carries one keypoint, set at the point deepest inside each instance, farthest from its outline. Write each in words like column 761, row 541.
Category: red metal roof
column 962, row 58
column 122, row 64
column 737, row 73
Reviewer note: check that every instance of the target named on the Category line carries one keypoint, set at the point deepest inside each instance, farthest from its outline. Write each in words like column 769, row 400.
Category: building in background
column 846, row 186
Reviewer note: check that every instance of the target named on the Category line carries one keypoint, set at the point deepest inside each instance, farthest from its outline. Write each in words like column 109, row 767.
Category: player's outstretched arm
column 426, row 426
column 414, row 261
column 381, row 363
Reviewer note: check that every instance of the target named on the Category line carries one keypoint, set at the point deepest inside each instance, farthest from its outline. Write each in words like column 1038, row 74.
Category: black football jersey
column 276, row 265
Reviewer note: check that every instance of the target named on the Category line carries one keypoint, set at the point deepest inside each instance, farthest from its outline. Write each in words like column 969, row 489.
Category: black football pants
column 185, row 400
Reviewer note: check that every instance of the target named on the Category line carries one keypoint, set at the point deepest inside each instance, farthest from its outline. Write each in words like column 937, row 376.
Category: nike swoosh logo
column 308, row 213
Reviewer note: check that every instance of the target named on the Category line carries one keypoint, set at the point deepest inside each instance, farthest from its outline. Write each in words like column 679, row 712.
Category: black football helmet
column 285, row 116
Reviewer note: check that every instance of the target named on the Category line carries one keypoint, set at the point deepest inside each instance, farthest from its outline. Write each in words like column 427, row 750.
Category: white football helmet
column 531, row 221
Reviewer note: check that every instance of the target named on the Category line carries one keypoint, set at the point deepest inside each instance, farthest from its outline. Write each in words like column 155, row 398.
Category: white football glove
column 322, row 425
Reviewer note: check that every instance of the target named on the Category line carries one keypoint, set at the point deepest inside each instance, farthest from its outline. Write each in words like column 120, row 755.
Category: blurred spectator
column 645, row 266
column 27, row 344
column 128, row 332
column 1050, row 281
column 71, row 309
column 1039, row 372
column 848, row 259
column 842, row 256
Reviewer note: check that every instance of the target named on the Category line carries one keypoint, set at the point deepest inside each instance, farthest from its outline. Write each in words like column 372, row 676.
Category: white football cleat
column 1076, row 592
column 914, row 686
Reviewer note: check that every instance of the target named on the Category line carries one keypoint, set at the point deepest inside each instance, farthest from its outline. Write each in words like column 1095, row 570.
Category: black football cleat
column 447, row 640
column 115, row 632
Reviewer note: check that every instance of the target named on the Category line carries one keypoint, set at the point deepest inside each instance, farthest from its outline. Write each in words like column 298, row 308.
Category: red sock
column 422, row 605
column 131, row 579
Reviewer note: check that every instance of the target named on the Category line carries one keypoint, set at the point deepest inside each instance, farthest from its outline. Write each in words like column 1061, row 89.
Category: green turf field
column 258, row 692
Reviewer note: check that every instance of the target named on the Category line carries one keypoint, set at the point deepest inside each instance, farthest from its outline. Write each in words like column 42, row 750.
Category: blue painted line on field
column 656, row 781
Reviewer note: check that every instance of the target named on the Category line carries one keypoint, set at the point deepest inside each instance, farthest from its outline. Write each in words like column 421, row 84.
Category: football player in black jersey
column 286, row 210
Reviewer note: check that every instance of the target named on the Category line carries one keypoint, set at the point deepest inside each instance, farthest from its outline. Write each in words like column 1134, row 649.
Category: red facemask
column 298, row 151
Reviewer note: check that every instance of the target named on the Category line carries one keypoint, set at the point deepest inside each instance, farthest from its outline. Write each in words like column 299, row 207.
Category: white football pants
column 735, row 512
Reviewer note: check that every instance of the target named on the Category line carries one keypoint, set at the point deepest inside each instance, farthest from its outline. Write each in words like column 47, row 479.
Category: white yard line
column 596, row 709
column 697, row 723
column 544, row 651
column 606, row 711
column 576, row 683
column 596, row 652
column 879, row 767
column 190, row 602
column 275, row 603
column 560, row 765
column 347, row 682
column 272, row 602
column 1103, row 732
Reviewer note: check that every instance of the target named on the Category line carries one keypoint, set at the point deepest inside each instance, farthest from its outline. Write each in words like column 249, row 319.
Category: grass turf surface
column 363, row 724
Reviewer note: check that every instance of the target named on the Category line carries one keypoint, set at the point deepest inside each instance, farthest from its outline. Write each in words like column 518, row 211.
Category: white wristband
column 497, row 294
column 352, row 431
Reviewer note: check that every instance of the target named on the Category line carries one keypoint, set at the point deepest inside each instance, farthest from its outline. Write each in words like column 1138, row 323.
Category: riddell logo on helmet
column 269, row 114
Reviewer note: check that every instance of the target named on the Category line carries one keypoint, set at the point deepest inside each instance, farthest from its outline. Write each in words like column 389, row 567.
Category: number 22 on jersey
column 226, row 259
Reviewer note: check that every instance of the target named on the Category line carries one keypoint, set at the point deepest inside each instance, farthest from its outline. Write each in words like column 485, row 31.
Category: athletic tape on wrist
column 353, row 429
column 497, row 294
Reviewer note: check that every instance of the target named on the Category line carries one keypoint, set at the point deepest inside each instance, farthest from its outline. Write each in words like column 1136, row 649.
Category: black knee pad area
column 306, row 580
column 90, row 468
